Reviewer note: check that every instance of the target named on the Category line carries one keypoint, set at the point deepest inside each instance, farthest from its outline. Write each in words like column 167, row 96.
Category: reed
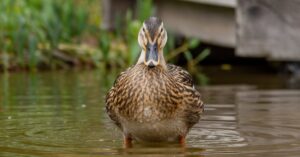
column 51, row 34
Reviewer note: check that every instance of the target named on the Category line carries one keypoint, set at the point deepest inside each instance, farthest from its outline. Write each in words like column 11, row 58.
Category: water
column 62, row 114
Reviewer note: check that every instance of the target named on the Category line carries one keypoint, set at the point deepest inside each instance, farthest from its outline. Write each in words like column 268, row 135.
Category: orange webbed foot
column 182, row 140
column 127, row 141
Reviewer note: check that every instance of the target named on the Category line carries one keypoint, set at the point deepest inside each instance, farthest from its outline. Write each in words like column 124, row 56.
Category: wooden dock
column 255, row 28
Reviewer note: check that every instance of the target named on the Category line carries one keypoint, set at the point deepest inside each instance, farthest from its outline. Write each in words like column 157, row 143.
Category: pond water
column 62, row 114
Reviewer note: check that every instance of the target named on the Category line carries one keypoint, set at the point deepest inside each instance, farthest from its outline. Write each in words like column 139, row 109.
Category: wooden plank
column 212, row 24
column 113, row 9
column 269, row 28
column 221, row 3
column 207, row 20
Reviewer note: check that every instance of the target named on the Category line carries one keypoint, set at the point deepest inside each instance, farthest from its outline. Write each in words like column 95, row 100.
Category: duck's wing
column 111, row 103
column 194, row 107
column 192, row 104
column 181, row 75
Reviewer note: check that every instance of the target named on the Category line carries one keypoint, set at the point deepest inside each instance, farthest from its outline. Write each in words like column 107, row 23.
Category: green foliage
column 32, row 29
column 124, row 48
column 192, row 61
column 132, row 30
column 61, row 34
column 104, row 44
column 144, row 9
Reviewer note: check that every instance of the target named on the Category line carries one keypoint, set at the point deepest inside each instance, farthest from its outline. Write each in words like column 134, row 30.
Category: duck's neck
column 162, row 61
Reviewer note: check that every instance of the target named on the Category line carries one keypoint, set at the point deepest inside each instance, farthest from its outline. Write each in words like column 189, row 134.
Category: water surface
column 62, row 114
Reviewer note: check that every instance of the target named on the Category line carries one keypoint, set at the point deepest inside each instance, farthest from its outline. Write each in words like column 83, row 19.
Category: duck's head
column 152, row 38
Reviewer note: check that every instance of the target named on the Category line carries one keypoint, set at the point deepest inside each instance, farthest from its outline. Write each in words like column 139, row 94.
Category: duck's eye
column 161, row 30
column 143, row 29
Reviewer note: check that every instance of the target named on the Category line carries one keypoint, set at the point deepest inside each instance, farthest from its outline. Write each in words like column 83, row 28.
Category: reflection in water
column 62, row 114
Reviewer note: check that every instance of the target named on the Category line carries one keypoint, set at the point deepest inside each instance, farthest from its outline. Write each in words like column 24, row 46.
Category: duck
column 153, row 101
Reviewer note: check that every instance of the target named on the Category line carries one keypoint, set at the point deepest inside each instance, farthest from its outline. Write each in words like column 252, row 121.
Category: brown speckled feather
column 150, row 95
column 194, row 105
column 153, row 25
column 180, row 75
column 153, row 100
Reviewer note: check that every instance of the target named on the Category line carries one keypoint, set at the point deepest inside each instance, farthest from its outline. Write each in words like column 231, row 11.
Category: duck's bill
column 152, row 55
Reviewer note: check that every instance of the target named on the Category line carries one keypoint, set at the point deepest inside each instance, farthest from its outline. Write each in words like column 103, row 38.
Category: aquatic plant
column 32, row 30
column 37, row 34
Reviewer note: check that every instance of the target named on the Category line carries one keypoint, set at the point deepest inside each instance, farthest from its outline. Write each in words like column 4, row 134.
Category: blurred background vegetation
column 55, row 34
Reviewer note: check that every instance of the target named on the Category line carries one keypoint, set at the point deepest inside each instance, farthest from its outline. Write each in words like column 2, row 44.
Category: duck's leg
column 181, row 139
column 127, row 141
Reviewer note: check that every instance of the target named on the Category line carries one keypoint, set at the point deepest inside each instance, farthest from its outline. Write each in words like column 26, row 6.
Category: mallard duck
column 154, row 101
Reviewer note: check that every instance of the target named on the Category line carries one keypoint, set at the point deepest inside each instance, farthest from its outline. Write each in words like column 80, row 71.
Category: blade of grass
column 32, row 52
column 202, row 56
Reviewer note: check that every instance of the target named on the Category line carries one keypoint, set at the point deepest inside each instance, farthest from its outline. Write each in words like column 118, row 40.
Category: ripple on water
column 238, row 121
column 258, row 122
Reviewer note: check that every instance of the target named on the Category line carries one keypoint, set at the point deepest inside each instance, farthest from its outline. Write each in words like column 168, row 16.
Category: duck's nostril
column 151, row 65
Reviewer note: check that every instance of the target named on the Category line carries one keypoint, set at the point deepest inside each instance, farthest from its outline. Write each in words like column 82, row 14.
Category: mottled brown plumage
column 154, row 102
column 152, row 25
